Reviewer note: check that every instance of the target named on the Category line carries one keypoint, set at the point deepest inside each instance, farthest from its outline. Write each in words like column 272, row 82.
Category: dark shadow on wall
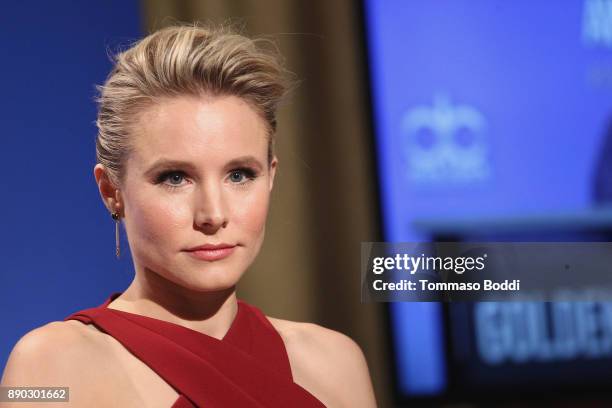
column 602, row 182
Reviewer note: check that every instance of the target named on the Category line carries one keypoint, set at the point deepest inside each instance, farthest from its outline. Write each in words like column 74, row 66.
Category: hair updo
column 184, row 60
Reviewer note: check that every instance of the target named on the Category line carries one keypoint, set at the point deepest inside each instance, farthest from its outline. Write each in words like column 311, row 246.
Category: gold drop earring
column 115, row 216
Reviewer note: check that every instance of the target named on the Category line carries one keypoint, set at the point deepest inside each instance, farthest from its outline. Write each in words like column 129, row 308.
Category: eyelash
column 249, row 174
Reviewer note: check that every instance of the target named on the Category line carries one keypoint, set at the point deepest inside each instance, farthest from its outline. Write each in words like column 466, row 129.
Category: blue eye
column 171, row 178
column 241, row 176
column 236, row 176
column 175, row 177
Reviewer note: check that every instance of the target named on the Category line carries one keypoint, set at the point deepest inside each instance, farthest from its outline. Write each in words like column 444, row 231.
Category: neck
column 152, row 295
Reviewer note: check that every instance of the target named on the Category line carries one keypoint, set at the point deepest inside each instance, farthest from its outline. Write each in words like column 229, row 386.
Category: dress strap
column 249, row 367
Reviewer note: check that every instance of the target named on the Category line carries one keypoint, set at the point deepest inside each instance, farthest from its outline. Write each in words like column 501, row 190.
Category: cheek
column 250, row 211
column 153, row 218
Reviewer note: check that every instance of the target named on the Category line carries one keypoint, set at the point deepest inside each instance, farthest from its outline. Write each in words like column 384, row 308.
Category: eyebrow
column 164, row 163
column 245, row 161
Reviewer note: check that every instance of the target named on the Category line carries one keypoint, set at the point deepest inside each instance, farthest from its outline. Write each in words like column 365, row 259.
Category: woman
column 185, row 160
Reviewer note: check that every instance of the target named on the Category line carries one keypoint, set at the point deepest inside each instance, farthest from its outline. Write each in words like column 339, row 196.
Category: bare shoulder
column 45, row 350
column 327, row 363
column 56, row 354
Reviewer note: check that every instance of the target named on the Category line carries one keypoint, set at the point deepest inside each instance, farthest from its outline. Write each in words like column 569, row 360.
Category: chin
column 206, row 287
column 210, row 278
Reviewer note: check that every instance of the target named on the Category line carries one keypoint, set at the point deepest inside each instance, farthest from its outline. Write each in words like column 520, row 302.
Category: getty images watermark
column 459, row 265
column 477, row 271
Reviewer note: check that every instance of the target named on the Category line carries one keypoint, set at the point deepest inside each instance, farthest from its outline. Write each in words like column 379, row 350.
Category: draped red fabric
column 249, row 367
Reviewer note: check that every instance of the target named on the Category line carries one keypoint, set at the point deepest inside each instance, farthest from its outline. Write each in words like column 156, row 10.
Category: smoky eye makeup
column 174, row 178
column 242, row 175
column 170, row 179
column 170, row 174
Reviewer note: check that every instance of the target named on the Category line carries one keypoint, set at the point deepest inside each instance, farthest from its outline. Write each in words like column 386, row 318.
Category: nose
column 211, row 212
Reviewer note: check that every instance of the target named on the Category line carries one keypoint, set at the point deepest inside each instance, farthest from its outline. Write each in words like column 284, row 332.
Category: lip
column 210, row 252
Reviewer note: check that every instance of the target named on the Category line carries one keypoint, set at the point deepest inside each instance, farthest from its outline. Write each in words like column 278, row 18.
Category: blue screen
column 58, row 239
column 483, row 109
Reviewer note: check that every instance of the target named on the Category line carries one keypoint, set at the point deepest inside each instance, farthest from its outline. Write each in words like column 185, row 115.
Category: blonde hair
column 184, row 60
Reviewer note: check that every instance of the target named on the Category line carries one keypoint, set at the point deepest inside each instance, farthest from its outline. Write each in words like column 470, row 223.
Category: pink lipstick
column 210, row 252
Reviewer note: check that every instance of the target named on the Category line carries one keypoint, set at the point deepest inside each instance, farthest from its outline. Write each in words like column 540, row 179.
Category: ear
column 109, row 193
column 273, row 166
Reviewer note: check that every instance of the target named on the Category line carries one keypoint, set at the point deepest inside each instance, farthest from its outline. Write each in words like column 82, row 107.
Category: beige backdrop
column 323, row 205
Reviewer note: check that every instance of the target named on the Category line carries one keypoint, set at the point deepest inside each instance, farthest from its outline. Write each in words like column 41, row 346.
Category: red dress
column 249, row 367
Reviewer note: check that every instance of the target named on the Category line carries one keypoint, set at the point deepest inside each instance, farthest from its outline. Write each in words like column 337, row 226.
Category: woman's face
column 198, row 175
